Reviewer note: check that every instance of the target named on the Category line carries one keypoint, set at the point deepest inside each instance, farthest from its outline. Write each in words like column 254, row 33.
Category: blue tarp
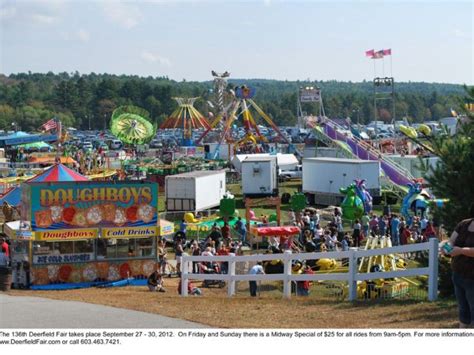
column 73, row 286
column 13, row 197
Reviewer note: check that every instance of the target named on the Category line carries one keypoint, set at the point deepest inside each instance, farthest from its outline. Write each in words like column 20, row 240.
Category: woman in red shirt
column 429, row 231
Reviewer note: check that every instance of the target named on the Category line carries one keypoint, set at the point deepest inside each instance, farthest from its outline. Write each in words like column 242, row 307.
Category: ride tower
column 384, row 91
column 384, row 88
column 308, row 94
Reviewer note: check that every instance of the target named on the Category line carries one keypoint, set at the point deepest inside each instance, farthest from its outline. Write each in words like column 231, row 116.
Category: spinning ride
column 240, row 106
column 131, row 125
column 187, row 118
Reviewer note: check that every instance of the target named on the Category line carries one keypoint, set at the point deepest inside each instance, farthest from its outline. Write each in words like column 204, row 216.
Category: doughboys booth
column 90, row 231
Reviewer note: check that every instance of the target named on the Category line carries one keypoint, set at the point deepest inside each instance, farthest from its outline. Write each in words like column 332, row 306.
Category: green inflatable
column 352, row 206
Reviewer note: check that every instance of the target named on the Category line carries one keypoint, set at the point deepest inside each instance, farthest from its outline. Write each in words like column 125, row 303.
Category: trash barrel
column 5, row 278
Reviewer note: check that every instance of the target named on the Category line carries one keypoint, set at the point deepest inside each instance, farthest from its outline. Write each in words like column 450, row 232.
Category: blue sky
column 431, row 41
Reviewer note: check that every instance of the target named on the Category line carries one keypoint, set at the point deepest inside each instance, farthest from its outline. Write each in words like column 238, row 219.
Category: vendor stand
column 86, row 232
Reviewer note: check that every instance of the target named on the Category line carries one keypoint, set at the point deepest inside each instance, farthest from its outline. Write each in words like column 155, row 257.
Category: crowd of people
column 331, row 237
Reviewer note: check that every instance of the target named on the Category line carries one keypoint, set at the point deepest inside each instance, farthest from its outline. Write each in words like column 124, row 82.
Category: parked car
column 296, row 173
column 115, row 144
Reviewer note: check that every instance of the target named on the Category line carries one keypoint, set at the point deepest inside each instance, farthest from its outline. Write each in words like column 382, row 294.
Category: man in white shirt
column 256, row 269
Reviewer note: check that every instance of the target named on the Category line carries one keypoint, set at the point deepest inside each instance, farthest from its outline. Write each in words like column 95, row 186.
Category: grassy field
column 268, row 310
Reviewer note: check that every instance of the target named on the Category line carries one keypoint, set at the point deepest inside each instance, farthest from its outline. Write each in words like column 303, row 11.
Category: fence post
column 231, row 274
column 352, row 274
column 433, row 270
column 287, row 274
column 184, row 276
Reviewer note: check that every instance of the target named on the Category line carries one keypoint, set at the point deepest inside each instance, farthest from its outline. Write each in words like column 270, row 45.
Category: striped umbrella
column 59, row 172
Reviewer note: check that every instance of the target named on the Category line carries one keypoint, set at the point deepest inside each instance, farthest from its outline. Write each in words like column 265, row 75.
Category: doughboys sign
column 76, row 205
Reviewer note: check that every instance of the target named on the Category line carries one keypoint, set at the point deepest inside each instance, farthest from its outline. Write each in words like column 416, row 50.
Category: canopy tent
column 55, row 173
column 58, row 172
column 275, row 231
column 35, row 145
column 20, row 137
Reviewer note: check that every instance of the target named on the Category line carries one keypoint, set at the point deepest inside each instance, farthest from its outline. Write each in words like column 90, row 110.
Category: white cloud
column 7, row 12
column 460, row 34
column 83, row 35
column 150, row 57
column 267, row 2
column 35, row 12
column 43, row 19
column 125, row 15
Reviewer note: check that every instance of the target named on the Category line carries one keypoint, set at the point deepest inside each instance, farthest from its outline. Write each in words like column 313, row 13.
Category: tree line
column 86, row 101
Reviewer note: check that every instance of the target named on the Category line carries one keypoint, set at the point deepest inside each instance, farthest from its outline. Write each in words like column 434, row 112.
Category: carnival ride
column 131, row 125
column 334, row 135
column 241, row 105
column 357, row 200
column 412, row 134
column 417, row 201
column 186, row 117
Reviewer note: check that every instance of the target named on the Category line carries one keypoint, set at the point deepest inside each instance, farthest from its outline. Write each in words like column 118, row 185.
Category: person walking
column 395, row 233
column 365, row 224
column 255, row 270
column 461, row 248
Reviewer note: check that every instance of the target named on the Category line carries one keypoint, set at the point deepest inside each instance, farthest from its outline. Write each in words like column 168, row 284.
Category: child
column 155, row 282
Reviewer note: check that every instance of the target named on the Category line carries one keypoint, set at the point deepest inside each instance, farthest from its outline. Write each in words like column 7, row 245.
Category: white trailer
column 323, row 177
column 194, row 191
column 284, row 161
column 259, row 176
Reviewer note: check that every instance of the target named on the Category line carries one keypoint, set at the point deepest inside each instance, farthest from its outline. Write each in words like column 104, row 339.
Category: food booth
column 90, row 231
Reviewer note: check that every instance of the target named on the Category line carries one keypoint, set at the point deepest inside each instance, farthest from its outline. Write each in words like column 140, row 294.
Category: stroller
column 211, row 268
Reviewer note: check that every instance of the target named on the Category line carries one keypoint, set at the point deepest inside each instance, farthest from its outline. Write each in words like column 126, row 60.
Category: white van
column 115, row 144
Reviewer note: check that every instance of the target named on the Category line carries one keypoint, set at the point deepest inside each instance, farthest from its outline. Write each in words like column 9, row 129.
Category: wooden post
column 433, row 270
column 287, row 273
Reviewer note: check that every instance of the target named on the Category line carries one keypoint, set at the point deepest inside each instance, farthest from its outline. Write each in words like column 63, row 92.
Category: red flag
column 378, row 54
column 51, row 124
column 387, row 51
column 370, row 53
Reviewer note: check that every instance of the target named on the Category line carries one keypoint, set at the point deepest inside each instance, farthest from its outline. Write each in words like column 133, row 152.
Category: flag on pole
column 370, row 53
column 51, row 124
column 387, row 51
column 378, row 54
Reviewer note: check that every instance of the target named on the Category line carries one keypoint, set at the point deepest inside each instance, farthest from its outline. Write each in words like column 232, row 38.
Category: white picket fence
column 352, row 276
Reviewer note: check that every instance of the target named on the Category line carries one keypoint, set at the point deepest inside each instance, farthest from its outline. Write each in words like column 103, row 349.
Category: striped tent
column 58, row 172
column 55, row 173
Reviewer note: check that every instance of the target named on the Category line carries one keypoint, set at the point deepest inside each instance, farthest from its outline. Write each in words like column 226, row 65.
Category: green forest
column 27, row 100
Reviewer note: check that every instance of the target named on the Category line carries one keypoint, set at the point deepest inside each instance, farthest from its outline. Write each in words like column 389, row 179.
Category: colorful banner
column 83, row 205
column 165, row 228
column 127, row 232
column 66, row 234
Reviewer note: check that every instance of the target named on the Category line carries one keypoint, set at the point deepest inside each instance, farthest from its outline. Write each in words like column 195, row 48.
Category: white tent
column 284, row 161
